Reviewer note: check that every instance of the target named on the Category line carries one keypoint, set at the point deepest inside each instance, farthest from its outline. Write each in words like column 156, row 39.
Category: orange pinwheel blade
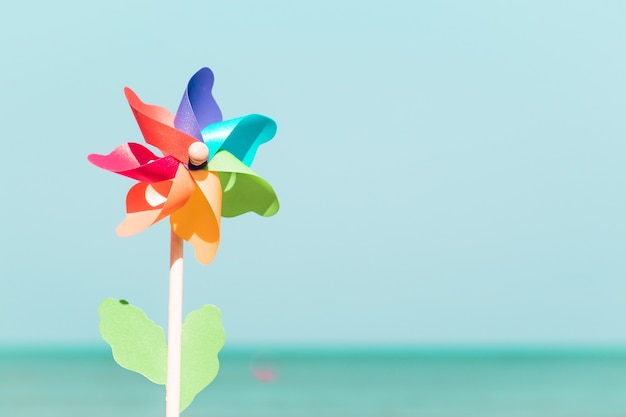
column 198, row 221
column 146, row 204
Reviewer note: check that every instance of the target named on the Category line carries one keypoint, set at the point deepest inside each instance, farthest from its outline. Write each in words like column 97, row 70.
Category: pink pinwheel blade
column 138, row 162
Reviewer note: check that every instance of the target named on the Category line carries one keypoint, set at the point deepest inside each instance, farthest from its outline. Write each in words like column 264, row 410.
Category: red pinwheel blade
column 157, row 127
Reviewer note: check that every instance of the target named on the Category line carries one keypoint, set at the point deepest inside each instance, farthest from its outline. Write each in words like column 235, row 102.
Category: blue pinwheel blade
column 198, row 108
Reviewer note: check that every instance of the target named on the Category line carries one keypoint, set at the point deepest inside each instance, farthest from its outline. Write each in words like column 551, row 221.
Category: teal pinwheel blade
column 241, row 136
column 243, row 190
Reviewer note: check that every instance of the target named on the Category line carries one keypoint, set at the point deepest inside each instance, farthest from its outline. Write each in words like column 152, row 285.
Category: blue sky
column 450, row 172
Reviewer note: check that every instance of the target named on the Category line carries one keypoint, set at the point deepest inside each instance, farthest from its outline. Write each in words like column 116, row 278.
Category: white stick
column 174, row 328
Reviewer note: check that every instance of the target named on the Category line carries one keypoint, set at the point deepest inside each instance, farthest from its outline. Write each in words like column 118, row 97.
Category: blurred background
column 451, row 233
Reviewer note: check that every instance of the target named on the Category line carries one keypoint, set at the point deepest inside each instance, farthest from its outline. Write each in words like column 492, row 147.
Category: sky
column 450, row 173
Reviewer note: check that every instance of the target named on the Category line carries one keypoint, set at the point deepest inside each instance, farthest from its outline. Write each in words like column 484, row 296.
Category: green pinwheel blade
column 243, row 190
column 203, row 337
column 138, row 344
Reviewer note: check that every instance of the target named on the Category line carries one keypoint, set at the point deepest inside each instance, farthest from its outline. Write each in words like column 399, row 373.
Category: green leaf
column 138, row 344
column 243, row 190
column 203, row 337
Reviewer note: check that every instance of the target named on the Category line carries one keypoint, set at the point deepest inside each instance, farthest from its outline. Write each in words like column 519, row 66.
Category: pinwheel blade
column 241, row 137
column 147, row 204
column 243, row 189
column 135, row 161
column 198, row 108
column 198, row 221
column 157, row 127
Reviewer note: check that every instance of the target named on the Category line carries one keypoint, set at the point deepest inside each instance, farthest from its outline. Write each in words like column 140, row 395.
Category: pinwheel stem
column 174, row 328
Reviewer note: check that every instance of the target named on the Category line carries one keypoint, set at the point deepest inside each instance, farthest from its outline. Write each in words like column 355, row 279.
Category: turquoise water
column 327, row 383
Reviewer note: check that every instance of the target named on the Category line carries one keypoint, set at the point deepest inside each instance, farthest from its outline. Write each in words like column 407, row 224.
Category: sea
column 324, row 382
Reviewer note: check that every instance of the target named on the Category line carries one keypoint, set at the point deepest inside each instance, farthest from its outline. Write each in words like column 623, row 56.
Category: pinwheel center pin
column 198, row 155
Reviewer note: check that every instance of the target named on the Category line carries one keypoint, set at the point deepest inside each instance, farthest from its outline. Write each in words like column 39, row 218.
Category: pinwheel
column 204, row 174
column 179, row 184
